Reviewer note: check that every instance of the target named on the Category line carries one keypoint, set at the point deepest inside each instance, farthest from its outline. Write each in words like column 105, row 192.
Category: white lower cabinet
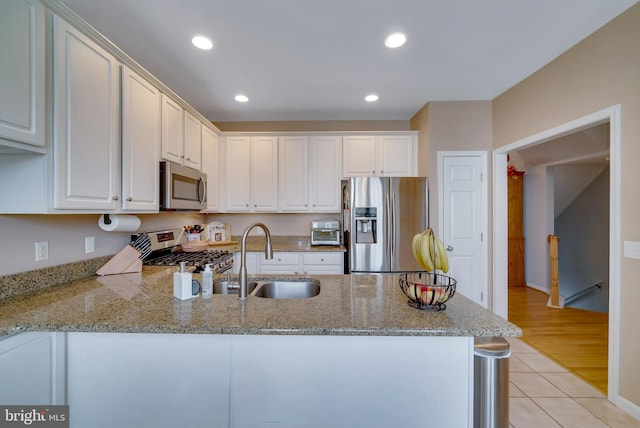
column 32, row 369
column 303, row 263
column 293, row 263
column 203, row 380
column 149, row 380
column 252, row 263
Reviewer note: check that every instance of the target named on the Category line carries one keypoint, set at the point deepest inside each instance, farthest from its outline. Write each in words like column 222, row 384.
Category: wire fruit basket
column 427, row 291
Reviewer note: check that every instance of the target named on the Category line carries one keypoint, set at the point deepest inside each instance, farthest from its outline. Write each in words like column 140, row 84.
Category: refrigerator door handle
column 391, row 209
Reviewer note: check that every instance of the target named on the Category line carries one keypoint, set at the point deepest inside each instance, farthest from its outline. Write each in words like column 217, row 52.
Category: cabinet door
column 210, row 165
column 192, row 141
column 359, row 156
column 86, row 122
column 282, row 262
column 264, row 173
column 172, row 130
column 396, row 156
column 294, row 173
column 238, row 177
column 154, row 380
column 253, row 267
column 141, row 130
column 323, row 263
column 22, row 86
column 326, row 173
column 32, row 369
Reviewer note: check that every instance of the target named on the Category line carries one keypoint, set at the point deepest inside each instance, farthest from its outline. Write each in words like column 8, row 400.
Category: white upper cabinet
column 294, row 173
column 181, row 135
column 264, row 173
column 396, row 155
column 141, row 131
column 192, row 141
column 310, row 173
column 86, row 165
column 359, row 155
column 22, row 75
column 326, row 173
column 210, row 166
column 172, row 130
column 383, row 155
column 251, row 173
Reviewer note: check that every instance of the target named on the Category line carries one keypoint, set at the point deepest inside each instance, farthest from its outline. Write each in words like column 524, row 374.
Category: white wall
column 538, row 224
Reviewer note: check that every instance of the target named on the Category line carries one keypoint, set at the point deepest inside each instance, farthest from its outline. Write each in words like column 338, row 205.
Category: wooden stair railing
column 554, row 300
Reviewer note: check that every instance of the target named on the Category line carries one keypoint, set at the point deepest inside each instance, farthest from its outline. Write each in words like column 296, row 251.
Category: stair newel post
column 553, row 253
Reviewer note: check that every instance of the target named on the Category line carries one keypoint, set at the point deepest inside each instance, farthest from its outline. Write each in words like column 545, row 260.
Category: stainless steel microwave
column 181, row 188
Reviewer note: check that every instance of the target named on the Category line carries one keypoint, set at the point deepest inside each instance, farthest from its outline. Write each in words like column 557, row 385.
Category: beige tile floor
column 543, row 394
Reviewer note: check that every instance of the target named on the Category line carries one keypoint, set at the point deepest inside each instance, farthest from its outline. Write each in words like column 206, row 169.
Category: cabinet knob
column 321, row 260
column 189, row 159
column 247, row 205
column 373, row 172
column 314, row 205
column 129, row 199
column 279, row 259
column 255, row 205
column 115, row 198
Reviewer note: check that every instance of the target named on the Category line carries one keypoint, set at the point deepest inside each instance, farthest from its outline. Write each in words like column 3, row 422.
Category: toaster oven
column 326, row 232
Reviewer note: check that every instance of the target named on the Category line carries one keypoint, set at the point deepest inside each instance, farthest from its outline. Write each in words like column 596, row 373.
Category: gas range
column 166, row 251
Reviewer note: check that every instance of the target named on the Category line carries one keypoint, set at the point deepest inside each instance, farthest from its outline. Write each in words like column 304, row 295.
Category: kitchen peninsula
column 128, row 354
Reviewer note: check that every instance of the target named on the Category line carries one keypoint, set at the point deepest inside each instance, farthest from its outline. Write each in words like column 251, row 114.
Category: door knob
column 449, row 248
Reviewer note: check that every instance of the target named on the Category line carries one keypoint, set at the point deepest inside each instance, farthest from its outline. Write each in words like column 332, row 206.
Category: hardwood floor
column 577, row 339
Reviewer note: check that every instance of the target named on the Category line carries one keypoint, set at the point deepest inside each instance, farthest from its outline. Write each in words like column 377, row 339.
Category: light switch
column 632, row 249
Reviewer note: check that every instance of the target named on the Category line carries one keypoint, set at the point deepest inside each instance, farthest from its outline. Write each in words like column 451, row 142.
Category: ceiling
column 586, row 147
column 317, row 60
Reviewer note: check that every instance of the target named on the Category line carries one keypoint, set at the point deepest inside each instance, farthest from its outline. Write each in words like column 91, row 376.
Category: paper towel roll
column 120, row 223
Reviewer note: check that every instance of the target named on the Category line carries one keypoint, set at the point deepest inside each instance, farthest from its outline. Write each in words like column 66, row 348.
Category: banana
column 429, row 251
column 443, row 259
column 426, row 251
column 415, row 247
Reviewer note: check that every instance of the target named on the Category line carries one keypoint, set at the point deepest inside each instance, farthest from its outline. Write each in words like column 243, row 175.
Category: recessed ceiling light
column 242, row 98
column 371, row 98
column 202, row 42
column 395, row 40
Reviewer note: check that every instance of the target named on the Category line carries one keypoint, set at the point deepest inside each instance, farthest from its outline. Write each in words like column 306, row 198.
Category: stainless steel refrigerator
column 381, row 215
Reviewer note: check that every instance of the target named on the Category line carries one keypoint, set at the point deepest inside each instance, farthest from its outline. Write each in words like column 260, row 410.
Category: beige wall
column 601, row 71
column 315, row 125
column 65, row 234
column 449, row 126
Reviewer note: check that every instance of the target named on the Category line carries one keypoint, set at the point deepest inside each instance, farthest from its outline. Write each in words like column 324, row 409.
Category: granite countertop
column 143, row 303
column 278, row 244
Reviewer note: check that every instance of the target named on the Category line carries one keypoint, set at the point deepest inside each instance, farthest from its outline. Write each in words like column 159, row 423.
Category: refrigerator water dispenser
column 366, row 220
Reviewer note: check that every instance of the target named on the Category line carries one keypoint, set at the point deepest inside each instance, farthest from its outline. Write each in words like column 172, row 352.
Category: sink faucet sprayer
column 268, row 253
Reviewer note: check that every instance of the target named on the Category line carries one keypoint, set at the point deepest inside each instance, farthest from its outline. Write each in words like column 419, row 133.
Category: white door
column 463, row 214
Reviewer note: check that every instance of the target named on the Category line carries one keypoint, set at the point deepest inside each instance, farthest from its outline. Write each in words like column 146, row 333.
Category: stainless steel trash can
column 491, row 382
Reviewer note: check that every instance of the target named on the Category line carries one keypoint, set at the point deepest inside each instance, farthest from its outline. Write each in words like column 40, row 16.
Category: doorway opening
column 606, row 121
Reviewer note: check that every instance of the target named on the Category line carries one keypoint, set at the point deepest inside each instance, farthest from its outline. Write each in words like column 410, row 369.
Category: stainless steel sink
column 231, row 287
column 288, row 289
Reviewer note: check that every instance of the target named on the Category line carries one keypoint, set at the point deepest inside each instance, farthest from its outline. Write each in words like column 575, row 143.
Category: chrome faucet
column 268, row 253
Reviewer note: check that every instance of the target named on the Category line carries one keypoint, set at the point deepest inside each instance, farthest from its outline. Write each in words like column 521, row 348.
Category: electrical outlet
column 42, row 250
column 89, row 244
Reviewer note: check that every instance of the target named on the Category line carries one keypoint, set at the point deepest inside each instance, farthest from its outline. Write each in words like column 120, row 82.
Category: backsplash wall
column 66, row 235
